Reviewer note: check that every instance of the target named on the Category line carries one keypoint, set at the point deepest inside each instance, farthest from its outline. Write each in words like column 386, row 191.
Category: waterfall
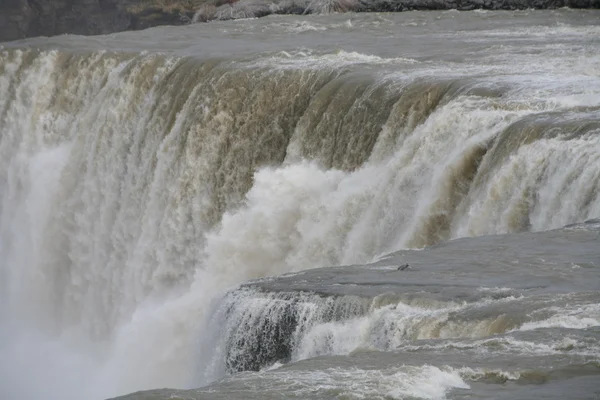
column 136, row 189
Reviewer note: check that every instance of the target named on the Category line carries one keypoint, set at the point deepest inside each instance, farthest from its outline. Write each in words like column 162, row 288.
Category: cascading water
column 137, row 188
column 338, row 311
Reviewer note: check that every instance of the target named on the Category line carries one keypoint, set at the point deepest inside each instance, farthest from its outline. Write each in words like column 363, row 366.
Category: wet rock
column 28, row 18
column 403, row 267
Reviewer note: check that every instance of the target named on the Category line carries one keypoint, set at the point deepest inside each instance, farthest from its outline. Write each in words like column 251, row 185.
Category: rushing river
column 173, row 203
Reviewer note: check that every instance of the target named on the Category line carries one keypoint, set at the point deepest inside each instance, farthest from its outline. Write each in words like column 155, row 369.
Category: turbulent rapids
column 142, row 181
column 380, row 307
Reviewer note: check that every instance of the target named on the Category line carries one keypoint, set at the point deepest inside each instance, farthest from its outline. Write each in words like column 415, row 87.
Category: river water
column 173, row 202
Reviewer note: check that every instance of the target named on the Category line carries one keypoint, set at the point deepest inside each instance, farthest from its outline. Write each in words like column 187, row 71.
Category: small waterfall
column 260, row 328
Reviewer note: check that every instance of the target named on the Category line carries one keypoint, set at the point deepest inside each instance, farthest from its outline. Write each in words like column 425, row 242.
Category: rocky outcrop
column 212, row 10
column 404, row 5
column 26, row 18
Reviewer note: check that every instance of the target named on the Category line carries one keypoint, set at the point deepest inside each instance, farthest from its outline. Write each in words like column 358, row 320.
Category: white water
column 113, row 248
column 398, row 382
column 333, row 325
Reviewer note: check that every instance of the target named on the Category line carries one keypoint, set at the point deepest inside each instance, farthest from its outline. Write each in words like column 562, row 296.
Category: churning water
column 145, row 176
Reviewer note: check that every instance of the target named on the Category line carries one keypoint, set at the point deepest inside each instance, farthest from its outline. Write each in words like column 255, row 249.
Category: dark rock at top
column 27, row 18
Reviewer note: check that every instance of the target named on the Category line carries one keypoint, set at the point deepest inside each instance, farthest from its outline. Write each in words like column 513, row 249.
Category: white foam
column 394, row 326
column 506, row 345
column 339, row 59
column 562, row 321
column 422, row 382
column 475, row 374
column 583, row 317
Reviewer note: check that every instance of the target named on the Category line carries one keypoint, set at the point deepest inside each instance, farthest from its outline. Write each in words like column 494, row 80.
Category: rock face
column 404, row 5
column 218, row 10
column 26, row 18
